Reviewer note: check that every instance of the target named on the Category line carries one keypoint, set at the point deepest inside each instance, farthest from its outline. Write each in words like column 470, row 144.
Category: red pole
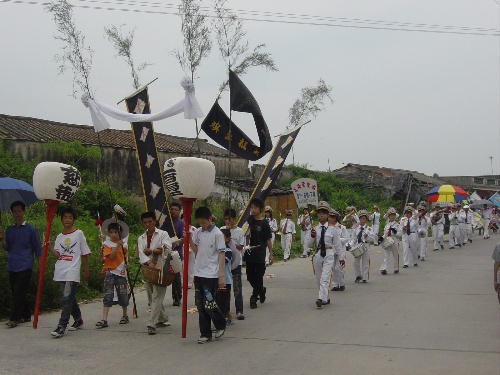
column 50, row 211
column 187, row 208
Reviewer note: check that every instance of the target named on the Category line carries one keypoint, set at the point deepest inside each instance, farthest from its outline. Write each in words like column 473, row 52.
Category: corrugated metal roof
column 39, row 130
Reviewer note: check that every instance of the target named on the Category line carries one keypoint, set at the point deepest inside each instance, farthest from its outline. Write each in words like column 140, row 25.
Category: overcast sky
column 413, row 100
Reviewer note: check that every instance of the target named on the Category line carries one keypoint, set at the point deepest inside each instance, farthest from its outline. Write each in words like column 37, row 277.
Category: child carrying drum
column 390, row 243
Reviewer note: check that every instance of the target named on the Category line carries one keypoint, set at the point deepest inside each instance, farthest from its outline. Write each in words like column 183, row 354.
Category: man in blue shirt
column 21, row 241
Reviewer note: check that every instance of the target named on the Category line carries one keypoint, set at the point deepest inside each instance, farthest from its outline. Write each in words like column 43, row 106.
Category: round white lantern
column 189, row 177
column 56, row 181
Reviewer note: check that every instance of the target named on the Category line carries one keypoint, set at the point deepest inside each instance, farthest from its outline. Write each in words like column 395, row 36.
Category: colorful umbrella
column 446, row 193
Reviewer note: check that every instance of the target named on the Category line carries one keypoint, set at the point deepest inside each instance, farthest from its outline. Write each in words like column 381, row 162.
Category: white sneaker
column 219, row 333
column 203, row 340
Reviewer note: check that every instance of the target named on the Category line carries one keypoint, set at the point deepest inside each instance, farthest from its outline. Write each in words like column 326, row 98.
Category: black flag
column 272, row 170
column 153, row 187
column 216, row 124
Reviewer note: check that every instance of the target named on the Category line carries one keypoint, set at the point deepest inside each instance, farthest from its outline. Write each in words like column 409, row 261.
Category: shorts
column 112, row 282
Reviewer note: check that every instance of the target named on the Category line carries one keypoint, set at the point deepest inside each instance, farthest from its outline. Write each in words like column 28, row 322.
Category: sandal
column 124, row 320
column 23, row 320
column 151, row 330
column 102, row 324
column 162, row 324
column 11, row 324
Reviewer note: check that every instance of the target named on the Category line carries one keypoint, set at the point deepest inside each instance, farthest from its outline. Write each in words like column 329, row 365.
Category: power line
column 287, row 18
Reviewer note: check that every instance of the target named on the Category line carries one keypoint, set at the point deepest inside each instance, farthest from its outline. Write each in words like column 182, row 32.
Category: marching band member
column 461, row 222
column 437, row 220
column 409, row 236
column 423, row 223
column 327, row 245
column 339, row 264
column 304, row 222
column 467, row 220
column 486, row 218
column 454, row 230
column 392, row 230
column 274, row 228
column 287, row 227
column 350, row 219
column 362, row 234
column 375, row 219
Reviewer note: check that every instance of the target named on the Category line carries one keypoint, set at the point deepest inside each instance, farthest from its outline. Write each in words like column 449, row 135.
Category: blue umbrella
column 12, row 190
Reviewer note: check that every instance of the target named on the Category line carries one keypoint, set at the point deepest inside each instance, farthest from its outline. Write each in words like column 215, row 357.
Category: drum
column 154, row 275
column 358, row 250
column 388, row 241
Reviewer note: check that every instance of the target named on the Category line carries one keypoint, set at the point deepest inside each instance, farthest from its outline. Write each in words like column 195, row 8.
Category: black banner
column 153, row 187
column 216, row 125
column 271, row 171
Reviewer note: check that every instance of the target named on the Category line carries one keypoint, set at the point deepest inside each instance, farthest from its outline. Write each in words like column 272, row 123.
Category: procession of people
column 218, row 256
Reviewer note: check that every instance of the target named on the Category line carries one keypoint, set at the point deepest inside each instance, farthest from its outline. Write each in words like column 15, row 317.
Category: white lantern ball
column 56, row 181
column 176, row 262
column 189, row 177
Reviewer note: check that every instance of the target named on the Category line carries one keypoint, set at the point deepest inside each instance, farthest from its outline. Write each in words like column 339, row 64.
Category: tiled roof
column 38, row 130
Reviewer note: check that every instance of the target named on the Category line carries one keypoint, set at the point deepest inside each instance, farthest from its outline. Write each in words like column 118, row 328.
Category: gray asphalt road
column 439, row 318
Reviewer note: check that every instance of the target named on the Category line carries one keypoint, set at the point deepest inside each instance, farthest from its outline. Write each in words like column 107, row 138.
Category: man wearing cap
column 409, row 236
column 304, row 222
column 486, row 218
column 375, row 219
column 287, row 227
column 392, row 230
column 268, row 212
column 339, row 262
column 467, row 218
column 327, row 245
column 437, row 220
column 362, row 234
column 423, row 223
column 454, row 229
column 350, row 219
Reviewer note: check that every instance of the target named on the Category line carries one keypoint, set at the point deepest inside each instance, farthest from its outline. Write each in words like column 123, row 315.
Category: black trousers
column 177, row 288
column 208, row 311
column 19, row 284
column 255, row 276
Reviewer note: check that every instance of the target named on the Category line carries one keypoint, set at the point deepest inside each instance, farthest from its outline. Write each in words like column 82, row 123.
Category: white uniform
column 486, row 218
column 273, row 224
column 409, row 240
column 423, row 224
column 364, row 260
column 287, row 227
column 305, row 234
column 350, row 223
column 375, row 219
column 454, row 230
column 437, row 230
column 338, row 273
column 389, row 229
column 467, row 218
column 323, row 266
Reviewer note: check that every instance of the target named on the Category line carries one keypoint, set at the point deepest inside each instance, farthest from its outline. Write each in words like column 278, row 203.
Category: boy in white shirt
column 209, row 246
column 71, row 250
column 238, row 239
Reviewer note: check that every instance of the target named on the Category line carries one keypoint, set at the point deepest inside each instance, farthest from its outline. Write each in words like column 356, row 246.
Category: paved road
column 439, row 318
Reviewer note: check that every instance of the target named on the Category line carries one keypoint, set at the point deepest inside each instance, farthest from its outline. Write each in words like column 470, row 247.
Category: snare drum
column 358, row 250
column 387, row 242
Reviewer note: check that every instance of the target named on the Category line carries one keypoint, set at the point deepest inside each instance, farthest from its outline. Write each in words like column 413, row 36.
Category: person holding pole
column 21, row 242
column 175, row 213
column 304, row 222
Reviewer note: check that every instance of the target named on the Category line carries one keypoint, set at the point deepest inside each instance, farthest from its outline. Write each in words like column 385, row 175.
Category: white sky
column 420, row 101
